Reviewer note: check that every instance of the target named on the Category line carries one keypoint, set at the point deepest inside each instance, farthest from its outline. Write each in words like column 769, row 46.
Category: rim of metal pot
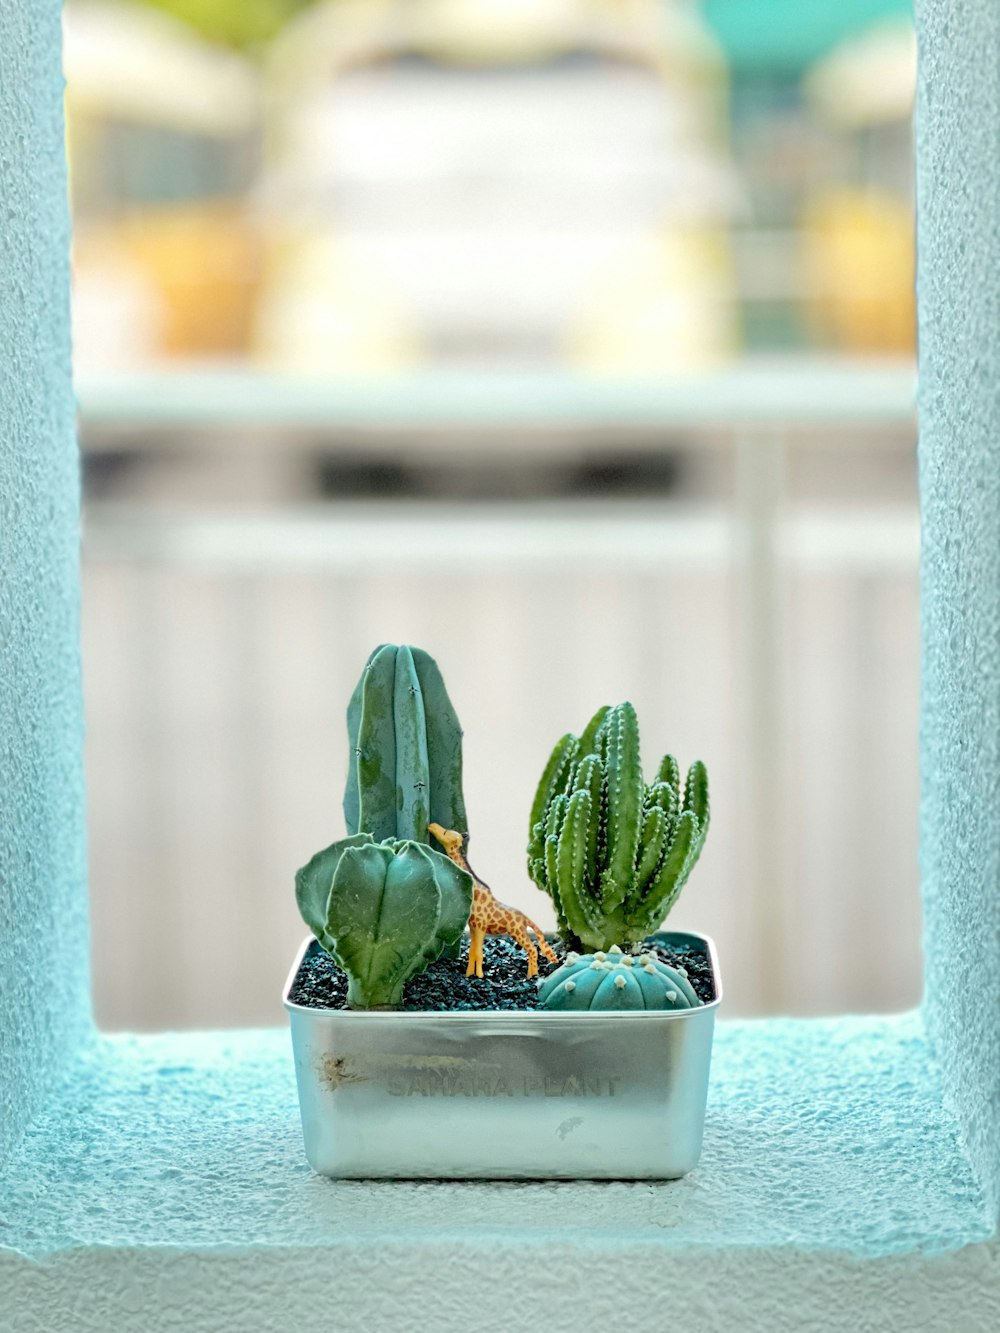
column 511, row 1016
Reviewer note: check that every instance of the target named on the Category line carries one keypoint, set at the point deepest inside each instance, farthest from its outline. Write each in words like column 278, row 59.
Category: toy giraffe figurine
column 488, row 916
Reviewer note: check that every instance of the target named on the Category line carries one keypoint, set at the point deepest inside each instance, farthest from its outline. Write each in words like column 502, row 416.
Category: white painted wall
column 219, row 656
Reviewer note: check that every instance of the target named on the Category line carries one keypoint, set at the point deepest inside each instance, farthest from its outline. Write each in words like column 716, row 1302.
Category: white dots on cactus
column 572, row 956
column 671, row 995
column 620, row 982
column 600, row 955
column 597, row 965
column 628, row 961
column 571, row 985
column 683, row 971
column 648, row 967
column 614, row 949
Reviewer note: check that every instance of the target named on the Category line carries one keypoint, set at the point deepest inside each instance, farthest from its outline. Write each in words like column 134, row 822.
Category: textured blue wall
column 42, row 873
column 171, row 1171
column 44, row 1009
column 958, row 195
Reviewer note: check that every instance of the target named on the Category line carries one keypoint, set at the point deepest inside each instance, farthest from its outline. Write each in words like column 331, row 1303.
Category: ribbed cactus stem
column 625, row 792
column 571, row 867
column 555, row 775
column 672, row 875
column 405, row 761
column 654, row 835
column 588, row 739
column 670, row 773
column 553, row 782
column 413, row 776
column 696, row 799
column 553, row 827
column 662, row 794
column 590, row 778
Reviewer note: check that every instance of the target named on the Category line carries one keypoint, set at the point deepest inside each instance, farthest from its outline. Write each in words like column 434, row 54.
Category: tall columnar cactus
column 384, row 911
column 612, row 852
column 405, row 761
column 616, row 980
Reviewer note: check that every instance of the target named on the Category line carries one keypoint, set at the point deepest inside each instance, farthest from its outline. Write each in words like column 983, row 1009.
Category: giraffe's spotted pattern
column 489, row 916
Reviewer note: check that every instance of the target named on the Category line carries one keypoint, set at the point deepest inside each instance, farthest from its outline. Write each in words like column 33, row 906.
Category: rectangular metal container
column 504, row 1094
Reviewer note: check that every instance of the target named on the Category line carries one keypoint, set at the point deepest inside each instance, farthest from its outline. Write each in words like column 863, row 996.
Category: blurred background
column 571, row 340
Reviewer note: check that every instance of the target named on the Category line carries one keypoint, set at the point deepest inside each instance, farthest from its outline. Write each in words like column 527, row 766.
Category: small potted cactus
column 417, row 984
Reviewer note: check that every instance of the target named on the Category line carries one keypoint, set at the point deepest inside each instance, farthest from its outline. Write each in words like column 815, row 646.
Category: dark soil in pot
column 320, row 984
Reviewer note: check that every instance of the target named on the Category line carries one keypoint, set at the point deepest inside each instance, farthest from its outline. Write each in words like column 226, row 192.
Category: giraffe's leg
column 532, row 953
column 543, row 943
column 518, row 931
column 475, row 967
column 546, row 948
column 480, row 936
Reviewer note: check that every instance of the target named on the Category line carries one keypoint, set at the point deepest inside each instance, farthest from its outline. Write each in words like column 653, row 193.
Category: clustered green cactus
column 405, row 762
column 612, row 852
column 617, row 980
column 384, row 910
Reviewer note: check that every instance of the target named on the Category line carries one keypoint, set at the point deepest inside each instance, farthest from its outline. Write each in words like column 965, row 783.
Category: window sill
column 167, row 1190
column 821, row 1136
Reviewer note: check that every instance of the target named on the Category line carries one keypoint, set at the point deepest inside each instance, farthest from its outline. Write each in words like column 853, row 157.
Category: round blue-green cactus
column 616, row 980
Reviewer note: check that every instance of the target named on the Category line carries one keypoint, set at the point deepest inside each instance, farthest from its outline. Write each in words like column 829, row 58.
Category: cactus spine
column 612, row 852
column 405, row 761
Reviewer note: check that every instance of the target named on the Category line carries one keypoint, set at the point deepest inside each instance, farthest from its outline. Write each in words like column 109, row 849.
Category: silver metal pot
column 504, row 1094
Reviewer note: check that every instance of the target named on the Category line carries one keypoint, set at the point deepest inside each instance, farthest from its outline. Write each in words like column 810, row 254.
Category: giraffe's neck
column 479, row 885
column 455, row 854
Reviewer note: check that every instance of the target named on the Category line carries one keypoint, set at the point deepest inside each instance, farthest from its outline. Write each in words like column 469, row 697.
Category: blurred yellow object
column 326, row 310
column 869, row 79
column 858, row 255
column 466, row 180
column 666, row 305
column 477, row 31
column 202, row 262
column 333, row 36
column 128, row 63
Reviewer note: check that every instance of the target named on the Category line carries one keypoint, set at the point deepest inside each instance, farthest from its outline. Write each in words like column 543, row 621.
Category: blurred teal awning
column 787, row 35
